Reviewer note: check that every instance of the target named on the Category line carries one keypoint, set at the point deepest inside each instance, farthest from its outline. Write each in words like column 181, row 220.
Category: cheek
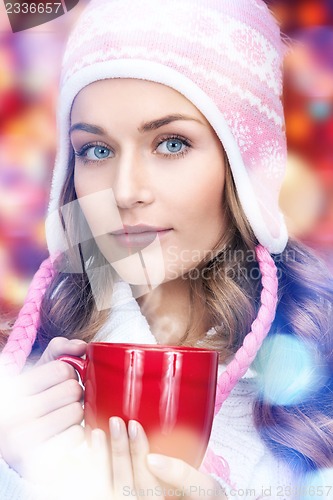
column 91, row 179
column 203, row 198
column 211, row 197
column 84, row 183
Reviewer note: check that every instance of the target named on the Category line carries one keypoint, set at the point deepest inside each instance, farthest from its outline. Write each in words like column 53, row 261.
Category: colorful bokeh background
column 29, row 72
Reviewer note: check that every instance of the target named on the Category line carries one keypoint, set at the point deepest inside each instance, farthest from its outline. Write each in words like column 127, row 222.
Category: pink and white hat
column 225, row 56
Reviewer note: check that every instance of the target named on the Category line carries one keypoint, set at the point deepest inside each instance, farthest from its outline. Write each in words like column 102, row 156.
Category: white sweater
column 254, row 472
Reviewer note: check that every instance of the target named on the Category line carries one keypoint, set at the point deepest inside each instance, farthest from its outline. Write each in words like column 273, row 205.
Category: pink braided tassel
column 23, row 335
column 214, row 464
column 259, row 329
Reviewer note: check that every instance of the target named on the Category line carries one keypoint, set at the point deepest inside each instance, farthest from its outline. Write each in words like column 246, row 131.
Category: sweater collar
column 127, row 324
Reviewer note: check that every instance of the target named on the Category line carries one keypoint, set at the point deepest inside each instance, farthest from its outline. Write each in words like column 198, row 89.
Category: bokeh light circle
column 289, row 370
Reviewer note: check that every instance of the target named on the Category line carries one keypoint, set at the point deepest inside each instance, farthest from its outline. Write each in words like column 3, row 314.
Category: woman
column 165, row 190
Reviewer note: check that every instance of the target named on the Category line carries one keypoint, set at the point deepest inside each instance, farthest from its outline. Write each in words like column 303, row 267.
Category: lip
column 138, row 236
column 139, row 228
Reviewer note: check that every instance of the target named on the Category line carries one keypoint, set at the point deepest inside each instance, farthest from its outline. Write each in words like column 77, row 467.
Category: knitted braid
column 246, row 353
column 259, row 329
column 23, row 335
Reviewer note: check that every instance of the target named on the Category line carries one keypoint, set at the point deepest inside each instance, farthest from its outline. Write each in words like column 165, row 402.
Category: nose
column 131, row 182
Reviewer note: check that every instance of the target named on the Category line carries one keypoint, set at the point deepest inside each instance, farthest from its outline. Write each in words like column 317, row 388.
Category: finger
column 144, row 480
column 44, row 428
column 66, row 441
column 59, row 346
column 184, row 478
column 23, row 439
column 122, row 474
column 19, row 408
column 56, row 397
column 45, row 376
column 23, row 410
column 59, row 420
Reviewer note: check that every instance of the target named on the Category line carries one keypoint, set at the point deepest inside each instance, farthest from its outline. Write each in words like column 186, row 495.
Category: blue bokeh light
column 320, row 110
column 289, row 370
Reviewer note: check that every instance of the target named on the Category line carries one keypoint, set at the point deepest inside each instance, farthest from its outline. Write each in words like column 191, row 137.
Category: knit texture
column 236, row 444
column 23, row 335
column 14, row 487
column 259, row 329
column 224, row 55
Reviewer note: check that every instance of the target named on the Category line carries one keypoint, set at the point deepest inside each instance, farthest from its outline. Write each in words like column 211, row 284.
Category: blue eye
column 173, row 146
column 94, row 152
column 99, row 152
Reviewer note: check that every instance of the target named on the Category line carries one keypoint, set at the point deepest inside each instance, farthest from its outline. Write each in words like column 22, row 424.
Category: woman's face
column 149, row 176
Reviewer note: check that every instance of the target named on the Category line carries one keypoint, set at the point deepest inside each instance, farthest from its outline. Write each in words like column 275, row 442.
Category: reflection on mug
column 171, row 377
column 134, row 368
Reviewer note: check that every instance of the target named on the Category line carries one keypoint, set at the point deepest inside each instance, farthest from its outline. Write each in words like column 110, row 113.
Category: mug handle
column 79, row 364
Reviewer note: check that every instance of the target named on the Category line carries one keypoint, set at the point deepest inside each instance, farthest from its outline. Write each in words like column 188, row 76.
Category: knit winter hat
column 223, row 55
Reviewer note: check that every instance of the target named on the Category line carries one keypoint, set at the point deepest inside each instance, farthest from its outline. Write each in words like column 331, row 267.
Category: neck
column 170, row 316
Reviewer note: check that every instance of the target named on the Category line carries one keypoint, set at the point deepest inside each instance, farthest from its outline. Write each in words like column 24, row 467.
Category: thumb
column 191, row 482
column 59, row 346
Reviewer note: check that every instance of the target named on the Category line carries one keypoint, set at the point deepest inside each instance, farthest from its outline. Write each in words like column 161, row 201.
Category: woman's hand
column 41, row 410
column 131, row 472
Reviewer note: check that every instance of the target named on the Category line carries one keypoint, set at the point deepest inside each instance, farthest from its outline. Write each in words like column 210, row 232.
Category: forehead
column 129, row 97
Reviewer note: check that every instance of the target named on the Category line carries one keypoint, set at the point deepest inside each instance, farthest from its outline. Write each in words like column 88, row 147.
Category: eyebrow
column 160, row 122
column 145, row 127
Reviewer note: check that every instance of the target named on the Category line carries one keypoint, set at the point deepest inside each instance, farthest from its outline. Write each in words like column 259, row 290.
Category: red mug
column 169, row 390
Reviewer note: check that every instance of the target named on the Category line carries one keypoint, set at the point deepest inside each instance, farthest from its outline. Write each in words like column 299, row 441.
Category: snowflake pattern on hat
column 241, row 130
column 272, row 156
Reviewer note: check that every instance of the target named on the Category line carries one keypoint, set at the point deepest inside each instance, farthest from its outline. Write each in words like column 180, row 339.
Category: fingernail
column 158, row 461
column 132, row 429
column 115, row 427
